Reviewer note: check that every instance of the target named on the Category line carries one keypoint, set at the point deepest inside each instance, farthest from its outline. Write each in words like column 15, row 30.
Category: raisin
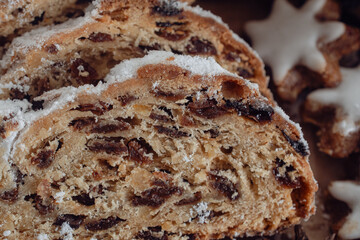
column 172, row 34
column 125, row 99
column 74, row 13
column 226, row 150
column 284, row 178
column 84, row 199
column 198, row 46
column 169, row 24
column 107, row 128
column 171, row 132
column 161, row 118
column 214, row 133
column 37, row 105
column 168, row 111
column 232, row 57
column 42, row 207
column 38, row 19
column 192, row 200
column 80, row 123
column 100, row 37
column 298, row 146
column 145, row 48
column 155, row 197
column 259, row 112
column 10, row 196
column 51, row 49
column 166, row 8
column 98, row 109
column 73, row 220
column 83, row 72
column 148, row 235
column 43, row 159
column 103, row 224
column 19, row 175
column 207, row 109
column 110, row 145
column 139, row 150
column 224, row 186
column 351, row 60
column 244, row 72
column 15, row 93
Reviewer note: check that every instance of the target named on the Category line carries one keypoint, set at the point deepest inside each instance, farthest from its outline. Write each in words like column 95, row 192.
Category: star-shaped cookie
column 348, row 192
column 301, row 50
column 337, row 112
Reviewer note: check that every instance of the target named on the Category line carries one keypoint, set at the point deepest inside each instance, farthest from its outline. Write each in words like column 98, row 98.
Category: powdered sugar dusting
column 66, row 231
column 42, row 236
column 200, row 211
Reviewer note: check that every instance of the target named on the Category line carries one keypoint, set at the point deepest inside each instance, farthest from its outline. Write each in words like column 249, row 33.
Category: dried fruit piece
column 99, row 109
column 192, row 200
column 103, row 224
column 83, row 72
column 140, row 151
column 84, row 199
column 73, row 220
column 223, row 185
column 166, row 8
column 110, row 145
column 43, row 159
column 298, row 146
column 257, row 111
column 208, row 108
column 100, row 37
column 10, row 196
column 281, row 172
column 198, row 46
column 171, row 132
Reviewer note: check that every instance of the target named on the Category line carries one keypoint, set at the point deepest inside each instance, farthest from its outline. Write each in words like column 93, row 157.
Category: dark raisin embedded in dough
column 169, row 24
column 98, row 109
column 146, row 48
column 73, row 220
column 125, row 99
column 198, row 46
column 171, row 132
column 110, row 145
column 168, row 111
column 100, row 37
column 155, row 197
column 298, row 146
column 281, row 172
column 38, row 19
column 207, row 108
column 16, row 93
column 80, row 123
column 41, row 85
column 259, row 112
column 172, row 34
column 159, row 117
column 223, row 185
column 139, row 151
column 103, row 224
column 227, row 150
column 166, row 8
column 214, row 133
column 192, row 200
column 43, row 159
column 84, row 199
column 153, row 234
column 51, row 49
column 10, row 196
column 120, row 125
column 37, row 105
column 83, row 72
column 244, row 72
column 40, row 205
column 232, row 57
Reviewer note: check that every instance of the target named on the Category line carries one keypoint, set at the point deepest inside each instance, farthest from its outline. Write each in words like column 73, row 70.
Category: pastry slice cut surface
column 171, row 147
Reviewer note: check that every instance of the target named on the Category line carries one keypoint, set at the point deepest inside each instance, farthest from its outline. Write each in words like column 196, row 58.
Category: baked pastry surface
column 171, row 147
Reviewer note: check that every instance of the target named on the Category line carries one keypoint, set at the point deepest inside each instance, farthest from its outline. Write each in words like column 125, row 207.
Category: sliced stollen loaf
column 83, row 50
column 171, row 147
column 20, row 16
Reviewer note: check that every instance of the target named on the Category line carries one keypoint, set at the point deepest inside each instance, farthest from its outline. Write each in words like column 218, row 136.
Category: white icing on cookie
column 346, row 96
column 290, row 37
column 348, row 192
